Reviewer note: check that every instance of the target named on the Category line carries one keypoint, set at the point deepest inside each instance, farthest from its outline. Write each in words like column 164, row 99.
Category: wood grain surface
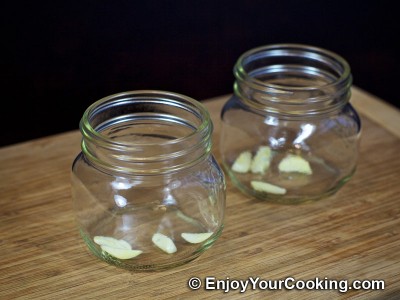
column 354, row 235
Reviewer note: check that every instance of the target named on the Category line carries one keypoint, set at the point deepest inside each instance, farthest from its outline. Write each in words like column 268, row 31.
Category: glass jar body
column 289, row 135
column 329, row 145
column 135, row 208
column 135, row 191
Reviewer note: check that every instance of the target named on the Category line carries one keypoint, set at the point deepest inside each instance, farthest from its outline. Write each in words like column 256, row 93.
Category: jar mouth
column 292, row 74
column 145, row 131
column 92, row 127
column 308, row 59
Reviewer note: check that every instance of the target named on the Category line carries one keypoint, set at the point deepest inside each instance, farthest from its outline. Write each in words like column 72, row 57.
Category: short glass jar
column 289, row 133
column 147, row 192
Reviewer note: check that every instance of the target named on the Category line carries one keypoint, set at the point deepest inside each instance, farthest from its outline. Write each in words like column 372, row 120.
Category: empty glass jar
column 289, row 133
column 147, row 192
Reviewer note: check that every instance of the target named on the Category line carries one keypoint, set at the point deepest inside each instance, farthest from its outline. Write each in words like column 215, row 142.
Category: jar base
column 286, row 199
column 134, row 264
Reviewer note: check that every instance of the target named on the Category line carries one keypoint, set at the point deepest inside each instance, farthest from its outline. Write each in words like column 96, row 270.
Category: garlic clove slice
column 121, row 253
column 261, row 160
column 242, row 163
column 265, row 187
column 164, row 243
column 195, row 238
column 295, row 163
column 112, row 242
column 124, row 244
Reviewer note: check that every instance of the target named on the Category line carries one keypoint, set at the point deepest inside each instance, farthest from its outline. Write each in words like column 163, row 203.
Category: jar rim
column 291, row 49
column 180, row 138
column 89, row 132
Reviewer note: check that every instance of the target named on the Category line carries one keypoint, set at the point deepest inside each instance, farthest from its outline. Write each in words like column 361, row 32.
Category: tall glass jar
column 147, row 192
column 289, row 133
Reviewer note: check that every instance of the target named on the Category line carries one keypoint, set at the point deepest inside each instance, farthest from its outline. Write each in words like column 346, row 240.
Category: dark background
column 59, row 57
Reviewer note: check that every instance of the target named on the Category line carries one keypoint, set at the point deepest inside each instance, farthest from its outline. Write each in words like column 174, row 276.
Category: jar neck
column 293, row 80
column 146, row 133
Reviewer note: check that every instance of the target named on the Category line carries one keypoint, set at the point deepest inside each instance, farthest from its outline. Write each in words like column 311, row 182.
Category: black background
column 59, row 57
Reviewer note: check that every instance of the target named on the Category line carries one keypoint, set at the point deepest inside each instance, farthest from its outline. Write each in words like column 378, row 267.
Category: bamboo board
column 352, row 235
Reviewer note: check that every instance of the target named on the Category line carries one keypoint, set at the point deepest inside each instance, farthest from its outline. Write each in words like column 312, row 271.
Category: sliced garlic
column 105, row 240
column 118, row 248
column 242, row 162
column 196, row 238
column 124, row 244
column 295, row 163
column 260, row 186
column 261, row 160
column 121, row 253
column 164, row 243
column 112, row 242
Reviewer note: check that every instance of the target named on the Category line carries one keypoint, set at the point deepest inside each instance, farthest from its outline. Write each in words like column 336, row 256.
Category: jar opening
column 295, row 75
column 145, row 131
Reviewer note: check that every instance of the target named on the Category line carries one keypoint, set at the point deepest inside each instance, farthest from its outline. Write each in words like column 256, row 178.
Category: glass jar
column 147, row 192
column 289, row 133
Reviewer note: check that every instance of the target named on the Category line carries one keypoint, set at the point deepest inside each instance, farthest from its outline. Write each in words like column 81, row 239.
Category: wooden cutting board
column 354, row 235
